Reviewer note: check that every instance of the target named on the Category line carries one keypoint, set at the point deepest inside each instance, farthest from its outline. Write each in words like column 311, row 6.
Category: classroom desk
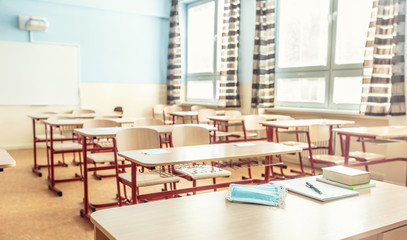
column 183, row 115
column 272, row 128
column 223, row 122
column 38, row 118
column 190, row 114
column 203, row 153
column 72, row 123
column 91, row 133
column 374, row 212
column 6, row 160
column 391, row 133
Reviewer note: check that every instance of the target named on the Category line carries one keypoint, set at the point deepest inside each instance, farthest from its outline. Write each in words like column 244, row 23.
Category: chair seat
column 334, row 159
column 103, row 157
column 241, row 134
column 104, row 144
column 201, row 171
column 225, row 134
column 56, row 136
column 150, row 178
column 67, row 146
column 366, row 156
column 297, row 144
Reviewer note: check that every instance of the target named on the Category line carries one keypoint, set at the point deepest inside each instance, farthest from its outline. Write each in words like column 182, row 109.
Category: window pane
column 301, row 90
column 219, row 35
column 201, row 23
column 352, row 25
column 347, row 90
column 303, row 33
column 200, row 90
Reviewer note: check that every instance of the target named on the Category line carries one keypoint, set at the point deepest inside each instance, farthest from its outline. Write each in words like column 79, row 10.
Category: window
column 320, row 47
column 203, row 41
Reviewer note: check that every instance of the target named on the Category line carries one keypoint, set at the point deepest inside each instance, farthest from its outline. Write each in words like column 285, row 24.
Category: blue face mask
column 267, row 194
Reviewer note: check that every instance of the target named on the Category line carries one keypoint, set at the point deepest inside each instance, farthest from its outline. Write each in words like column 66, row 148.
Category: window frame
column 203, row 76
column 331, row 70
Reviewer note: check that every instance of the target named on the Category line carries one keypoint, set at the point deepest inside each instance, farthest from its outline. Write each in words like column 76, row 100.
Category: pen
column 313, row 187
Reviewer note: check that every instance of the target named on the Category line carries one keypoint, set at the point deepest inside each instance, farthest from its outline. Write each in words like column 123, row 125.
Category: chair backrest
column 170, row 109
column 100, row 123
column 158, row 110
column 82, row 111
column 204, row 113
column 137, row 138
column 233, row 113
column 196, row 107
column 64, row 130
column 148, row 122
column 319, row 133
column 252, row 122
column 189, row 135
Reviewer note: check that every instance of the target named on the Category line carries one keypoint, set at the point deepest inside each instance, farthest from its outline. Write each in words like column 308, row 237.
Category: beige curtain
column 174, row 57
column 383, row 68
column 229, row 83
column 264, row 55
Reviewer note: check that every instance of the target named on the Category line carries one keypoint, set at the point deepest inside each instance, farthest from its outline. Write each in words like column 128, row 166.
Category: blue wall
column 121, row 41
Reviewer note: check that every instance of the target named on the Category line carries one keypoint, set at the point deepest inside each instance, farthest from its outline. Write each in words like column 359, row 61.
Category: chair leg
column 194, row 185
column 214, row 182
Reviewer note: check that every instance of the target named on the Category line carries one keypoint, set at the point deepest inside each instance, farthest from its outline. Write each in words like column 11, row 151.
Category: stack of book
column 346, row 177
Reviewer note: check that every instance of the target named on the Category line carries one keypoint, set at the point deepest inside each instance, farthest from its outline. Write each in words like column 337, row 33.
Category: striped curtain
column 264, row 57
column 383, row 68
column 174, row 57
column 229, row 83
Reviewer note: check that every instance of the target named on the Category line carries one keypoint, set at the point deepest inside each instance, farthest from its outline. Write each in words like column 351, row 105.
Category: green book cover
column 321, row 179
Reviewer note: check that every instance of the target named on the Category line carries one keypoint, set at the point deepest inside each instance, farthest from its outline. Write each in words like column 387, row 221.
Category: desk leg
column 85, row 211
column 311, row 159
column 51, row 185
column 35, row 168
column 347, row 149
column 134, row 183
column 99, row 235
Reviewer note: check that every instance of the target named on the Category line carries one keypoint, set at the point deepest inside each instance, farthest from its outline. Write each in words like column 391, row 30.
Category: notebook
column 329, row 192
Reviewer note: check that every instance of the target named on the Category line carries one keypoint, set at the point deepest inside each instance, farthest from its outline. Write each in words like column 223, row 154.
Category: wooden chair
column 153, row 122
column 158, row 110
column 204, row 113
column 195, row 135
column 148, row 122
column 317, row 137
column 102, row 151
column 67, row 144
column 233, row 113
column 167, row 118
column 65, row 141
column 196, row 107
column 252, row 131
column 137, row 139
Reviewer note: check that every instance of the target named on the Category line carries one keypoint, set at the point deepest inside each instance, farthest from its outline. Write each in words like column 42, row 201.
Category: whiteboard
column 39, row 74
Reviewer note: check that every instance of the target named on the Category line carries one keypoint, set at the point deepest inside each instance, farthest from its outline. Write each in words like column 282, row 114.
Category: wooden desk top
column 111, row 132
column 305, row 123
column 382, row 131
column 65, row 122
column 184, row 113
column 268, row 117
column 210, row 216
column 6, row 160
column 205, row 153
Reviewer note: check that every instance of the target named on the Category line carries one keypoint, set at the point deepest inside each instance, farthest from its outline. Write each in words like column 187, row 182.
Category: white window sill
column 325, row 112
